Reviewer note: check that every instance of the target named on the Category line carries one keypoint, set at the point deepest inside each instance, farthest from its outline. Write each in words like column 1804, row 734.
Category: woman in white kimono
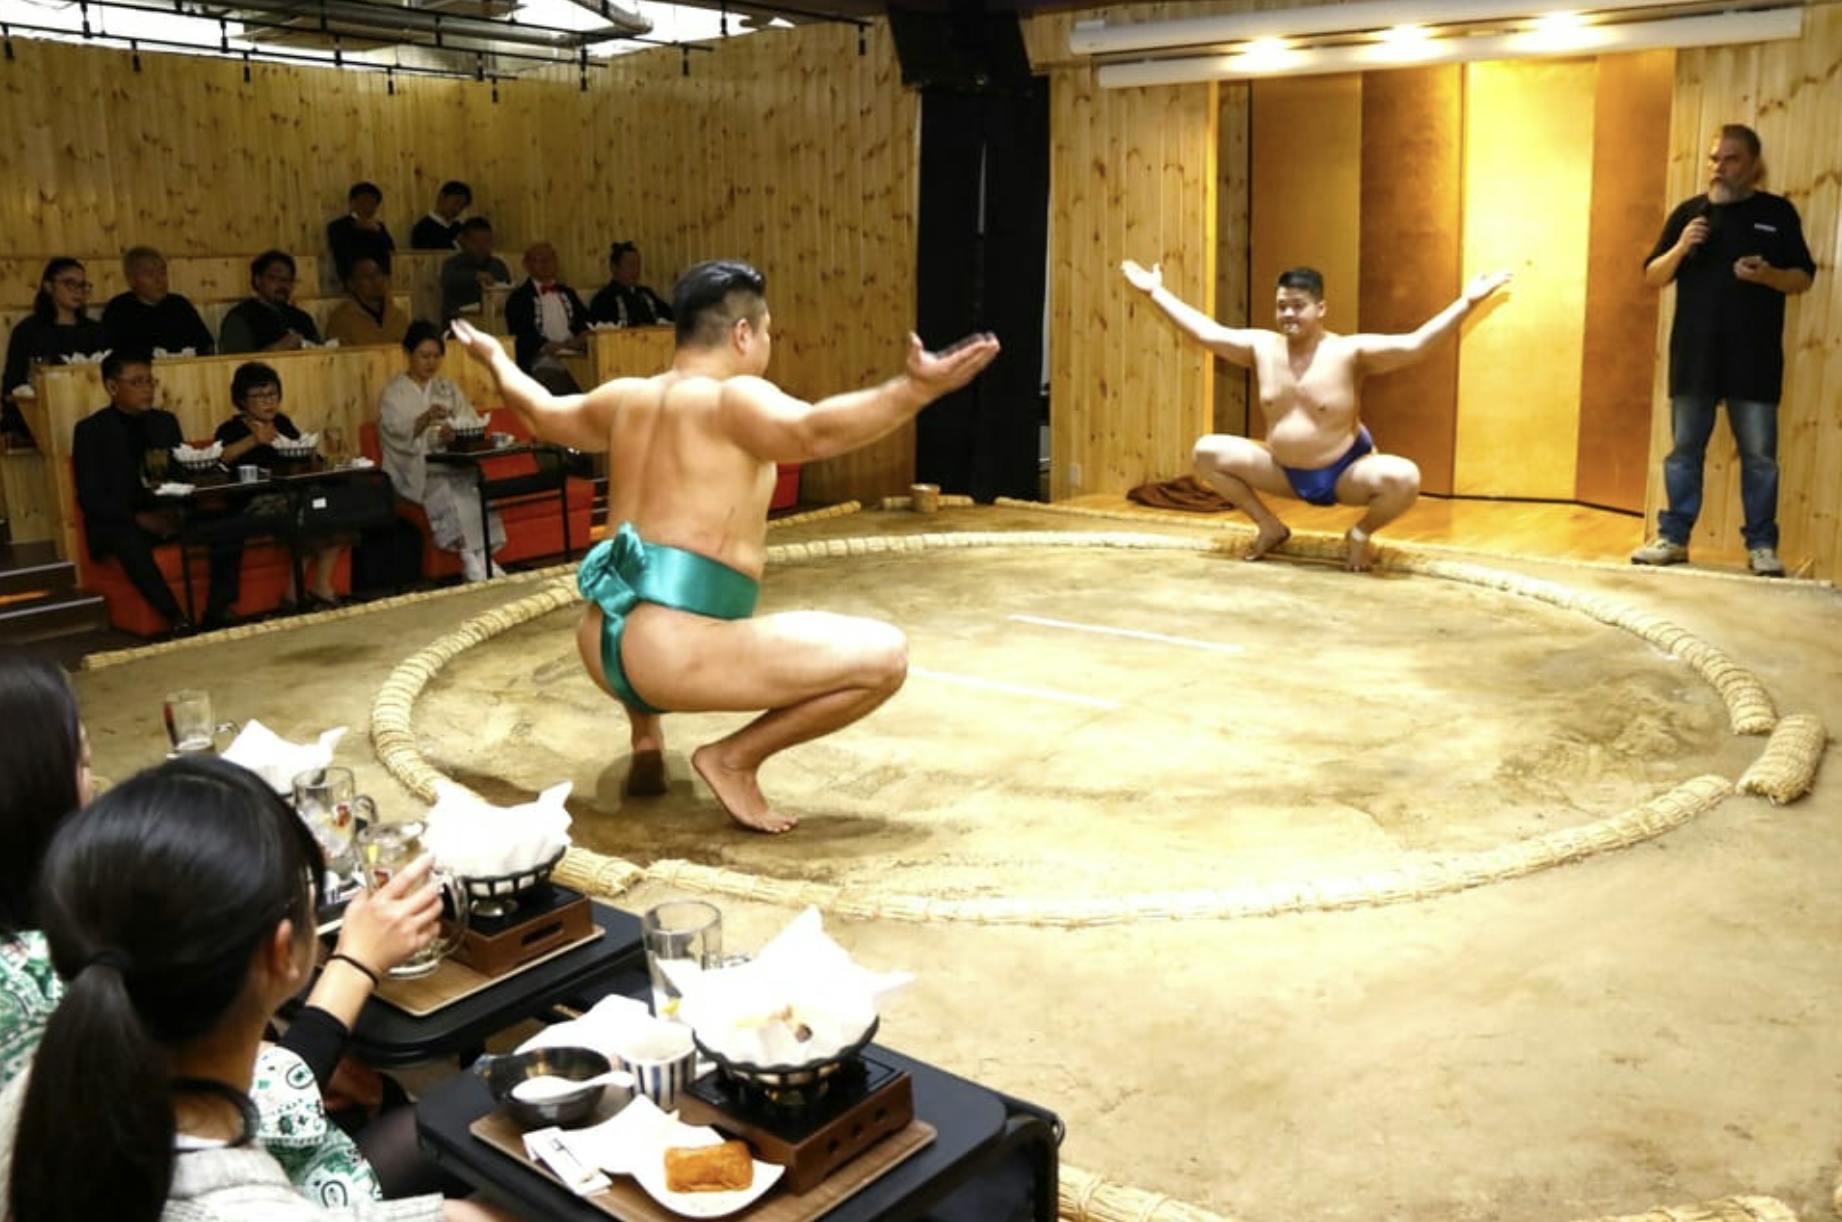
column 420, row 408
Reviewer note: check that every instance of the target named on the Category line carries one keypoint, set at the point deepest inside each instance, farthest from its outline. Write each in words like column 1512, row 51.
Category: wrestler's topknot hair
column 1308, row 279
column 709, row 299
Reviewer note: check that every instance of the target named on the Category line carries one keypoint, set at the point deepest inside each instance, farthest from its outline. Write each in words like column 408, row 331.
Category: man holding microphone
column 1734, row 254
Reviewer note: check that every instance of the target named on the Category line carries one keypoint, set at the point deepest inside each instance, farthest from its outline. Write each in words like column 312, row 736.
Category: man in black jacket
column 148, row 315
column 548, row 321
column 268, row 321
column 359, row 234
column 121, row 518
column 624, row 301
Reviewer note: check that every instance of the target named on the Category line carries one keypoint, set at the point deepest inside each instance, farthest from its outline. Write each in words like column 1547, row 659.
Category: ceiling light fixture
column 1721, row 29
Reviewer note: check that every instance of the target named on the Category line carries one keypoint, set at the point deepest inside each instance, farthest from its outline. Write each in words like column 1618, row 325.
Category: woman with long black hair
column 179, row 909
column 58, row 326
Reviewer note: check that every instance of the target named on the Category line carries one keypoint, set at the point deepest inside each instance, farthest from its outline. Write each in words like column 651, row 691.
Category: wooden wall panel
column 1412, row 219
column 1791, row 93
column 1132, row 174
column 1528, row 181
column 785, row 148
column 1233, row 249
column 1630, row 156
column 1307, row 191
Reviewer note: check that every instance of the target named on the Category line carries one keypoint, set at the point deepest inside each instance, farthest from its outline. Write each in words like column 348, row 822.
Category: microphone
column 1707, row 212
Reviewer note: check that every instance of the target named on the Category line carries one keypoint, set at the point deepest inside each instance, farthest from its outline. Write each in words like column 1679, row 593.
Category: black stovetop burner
column 796, row 1112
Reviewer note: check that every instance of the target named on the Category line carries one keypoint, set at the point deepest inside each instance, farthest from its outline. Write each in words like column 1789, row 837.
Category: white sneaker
column 496, row 570
column 1764, row 562
column 1660, row 551
column 472, row 567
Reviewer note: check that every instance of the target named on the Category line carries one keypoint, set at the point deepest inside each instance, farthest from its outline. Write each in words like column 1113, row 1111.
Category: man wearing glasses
column 267, row 321
column 121, row 516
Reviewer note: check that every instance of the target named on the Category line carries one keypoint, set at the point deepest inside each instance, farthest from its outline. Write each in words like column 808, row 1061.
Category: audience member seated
column 44, row 776
column 359, row 234
column 57, row 327
column 147, row 317
column 419, row 412
column 249, row 437
column 266, row 322
column 466, row 276
column 367, row 315
column 548, row 321
column 439, row 229
column 121, row 516
column 179, row 910
column 626, row 302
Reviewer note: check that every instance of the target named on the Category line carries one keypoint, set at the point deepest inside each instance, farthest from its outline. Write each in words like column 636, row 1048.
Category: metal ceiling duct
column 387, row 22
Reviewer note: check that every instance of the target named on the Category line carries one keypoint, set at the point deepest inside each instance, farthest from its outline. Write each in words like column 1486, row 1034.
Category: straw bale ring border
column 1749, row 705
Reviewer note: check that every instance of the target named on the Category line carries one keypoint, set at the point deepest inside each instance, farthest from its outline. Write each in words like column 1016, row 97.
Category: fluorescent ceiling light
column 1358, row 17
column 1724, row 28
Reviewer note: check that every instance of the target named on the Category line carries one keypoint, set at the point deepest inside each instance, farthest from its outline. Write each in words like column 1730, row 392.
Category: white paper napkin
column 24, row 391
column 86, row 358
column 275, row 759
column 476, row 839
column 634, row 1143
column 174, row 488
column 361, row 463
column 802, row 999
column 613, row 1023
column 161, row 354
column 191, row 453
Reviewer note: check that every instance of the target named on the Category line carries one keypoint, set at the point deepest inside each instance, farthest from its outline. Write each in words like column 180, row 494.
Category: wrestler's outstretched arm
column 776, row 427
column 1230, row 343
column 577, row 421
column 1380, row 353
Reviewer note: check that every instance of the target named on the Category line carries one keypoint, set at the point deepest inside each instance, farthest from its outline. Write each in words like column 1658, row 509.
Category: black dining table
column 994, row 1159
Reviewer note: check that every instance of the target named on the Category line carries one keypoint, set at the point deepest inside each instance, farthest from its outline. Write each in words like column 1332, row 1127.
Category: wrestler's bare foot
column 739, row 792
column 646, row 773
column 1361, row 552
column 1270, row 537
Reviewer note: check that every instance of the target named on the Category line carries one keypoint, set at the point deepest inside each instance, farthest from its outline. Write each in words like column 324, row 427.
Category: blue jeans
column 1755, row 432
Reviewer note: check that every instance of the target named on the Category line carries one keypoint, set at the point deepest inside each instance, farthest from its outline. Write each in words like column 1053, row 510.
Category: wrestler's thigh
column 689, row 663
column 1243, row 458
column 588, row 644
column 1376, row 475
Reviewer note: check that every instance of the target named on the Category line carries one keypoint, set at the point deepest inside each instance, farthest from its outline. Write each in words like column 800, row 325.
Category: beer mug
column 328, row 801
column 385, row 848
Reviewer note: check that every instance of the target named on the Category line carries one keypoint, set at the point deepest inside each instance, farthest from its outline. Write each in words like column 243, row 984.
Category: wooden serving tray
column 628, row 1202
column 453, row 981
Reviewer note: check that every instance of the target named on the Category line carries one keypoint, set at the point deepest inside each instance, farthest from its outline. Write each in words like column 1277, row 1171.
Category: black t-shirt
column 431, row 234
column 171, row 323
column 1727, row 339
column 236, row 429
column 350, row 243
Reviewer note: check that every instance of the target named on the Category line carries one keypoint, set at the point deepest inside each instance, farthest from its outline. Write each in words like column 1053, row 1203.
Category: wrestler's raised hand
column 479, row 345
column 1142, row 280
column 1484, row 285
column 942, row 372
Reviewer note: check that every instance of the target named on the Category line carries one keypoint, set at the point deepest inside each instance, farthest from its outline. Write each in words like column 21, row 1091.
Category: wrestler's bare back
column 679, row 474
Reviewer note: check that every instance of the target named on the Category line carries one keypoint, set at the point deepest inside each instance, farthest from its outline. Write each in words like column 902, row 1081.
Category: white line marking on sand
column 1014, row 689
column 1134, row 633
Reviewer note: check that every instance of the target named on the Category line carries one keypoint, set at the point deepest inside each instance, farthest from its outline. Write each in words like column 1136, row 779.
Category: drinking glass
column 327, row 799
column 188, row 721
column 385, row 848
column 155, row 464
column 682, row 938
column 332, row 443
